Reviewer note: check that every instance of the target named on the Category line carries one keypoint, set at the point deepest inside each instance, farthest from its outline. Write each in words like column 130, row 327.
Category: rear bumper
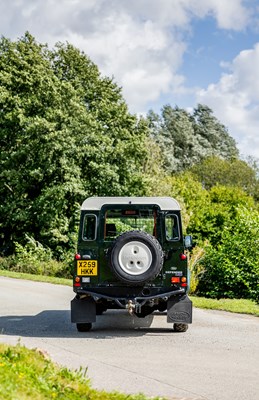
column 179, row 308
column 131, row 293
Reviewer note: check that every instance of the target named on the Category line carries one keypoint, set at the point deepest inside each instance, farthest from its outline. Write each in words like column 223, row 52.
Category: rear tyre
column 180, row 327
column 84, row 327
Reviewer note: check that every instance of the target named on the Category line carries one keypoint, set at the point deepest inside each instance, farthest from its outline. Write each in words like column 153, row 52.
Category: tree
column 211, row 135
column 194, row 200
column 65, row 133
column 185, row 139
column 114, row 148
column 214, row 171
column 207, row 212
column 173, row 132
column 179, row 130
column 35, row 144
column 219, row 213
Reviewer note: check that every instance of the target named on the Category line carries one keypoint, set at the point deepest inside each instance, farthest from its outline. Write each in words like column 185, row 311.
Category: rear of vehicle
column 131, row 255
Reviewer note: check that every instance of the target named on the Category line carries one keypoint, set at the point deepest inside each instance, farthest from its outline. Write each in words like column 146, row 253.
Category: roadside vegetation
column 30, row 374
column 66, row 134
column 240, row 306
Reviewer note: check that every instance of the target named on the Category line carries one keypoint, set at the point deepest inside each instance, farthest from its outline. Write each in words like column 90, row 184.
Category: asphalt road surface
column 216, row 359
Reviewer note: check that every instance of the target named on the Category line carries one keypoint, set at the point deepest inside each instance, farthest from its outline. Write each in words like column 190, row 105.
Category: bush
column 35, row 259
column 231, row 269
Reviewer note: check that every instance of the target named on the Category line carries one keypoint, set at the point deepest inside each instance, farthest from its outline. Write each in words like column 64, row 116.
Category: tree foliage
column 65, row 133
column 231, row 269
column 185, row 139
column 207, row 212
column 214, row 171
column 223, row 221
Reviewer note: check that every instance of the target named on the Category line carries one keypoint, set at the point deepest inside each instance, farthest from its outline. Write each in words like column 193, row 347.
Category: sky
column 177, row 52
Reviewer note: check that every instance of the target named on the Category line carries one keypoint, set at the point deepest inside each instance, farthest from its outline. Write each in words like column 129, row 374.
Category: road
column 216, row 359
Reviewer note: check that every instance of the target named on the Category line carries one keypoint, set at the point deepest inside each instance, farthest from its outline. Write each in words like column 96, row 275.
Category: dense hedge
column 231, row 269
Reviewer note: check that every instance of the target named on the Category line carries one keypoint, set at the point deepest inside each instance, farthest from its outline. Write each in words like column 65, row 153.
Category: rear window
column 118, row 221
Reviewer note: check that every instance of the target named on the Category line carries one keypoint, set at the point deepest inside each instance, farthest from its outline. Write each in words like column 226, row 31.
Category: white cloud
column 139, row 42
column 140, row 56
column 235, row 100
column 230, row 14
column 128, row 40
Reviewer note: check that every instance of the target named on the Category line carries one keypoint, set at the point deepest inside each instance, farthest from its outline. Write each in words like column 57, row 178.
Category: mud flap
column 179, row 310
column 83, row 310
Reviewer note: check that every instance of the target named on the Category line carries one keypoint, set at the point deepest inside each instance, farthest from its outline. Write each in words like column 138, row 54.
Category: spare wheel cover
column 136, row 257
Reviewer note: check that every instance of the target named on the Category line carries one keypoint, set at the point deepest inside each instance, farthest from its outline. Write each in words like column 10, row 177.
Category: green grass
column 38, row 278
column 30, row 374
column 241, row 306
column 232, row 305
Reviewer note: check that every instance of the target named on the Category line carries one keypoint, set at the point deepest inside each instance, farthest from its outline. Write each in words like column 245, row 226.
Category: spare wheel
column 136, row 257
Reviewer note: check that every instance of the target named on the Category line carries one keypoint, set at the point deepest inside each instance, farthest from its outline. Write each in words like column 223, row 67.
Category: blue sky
column 208, row 47
column 178, row 52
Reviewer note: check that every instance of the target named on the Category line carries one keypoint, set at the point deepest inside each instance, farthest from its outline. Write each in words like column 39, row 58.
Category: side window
column 89, row 227
column 172, row 227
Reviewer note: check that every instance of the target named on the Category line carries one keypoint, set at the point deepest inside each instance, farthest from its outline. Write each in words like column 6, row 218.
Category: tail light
column 175, row 279
column 184, row 281
column 77, row 281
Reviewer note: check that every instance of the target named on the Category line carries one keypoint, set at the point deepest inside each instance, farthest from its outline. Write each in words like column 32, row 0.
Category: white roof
column 165, row 203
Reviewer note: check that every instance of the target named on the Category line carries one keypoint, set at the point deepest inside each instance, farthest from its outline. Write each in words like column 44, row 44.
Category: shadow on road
column 56, row 323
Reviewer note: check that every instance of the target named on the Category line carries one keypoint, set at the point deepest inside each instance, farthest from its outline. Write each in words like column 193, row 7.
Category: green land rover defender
column 131, row 255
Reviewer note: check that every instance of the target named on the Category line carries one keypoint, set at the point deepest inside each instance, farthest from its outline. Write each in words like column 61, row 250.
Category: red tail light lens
column 77, row 256
column 175, row 279
column 77, row 282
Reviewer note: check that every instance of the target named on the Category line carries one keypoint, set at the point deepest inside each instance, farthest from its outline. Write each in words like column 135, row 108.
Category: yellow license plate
column 87, row 267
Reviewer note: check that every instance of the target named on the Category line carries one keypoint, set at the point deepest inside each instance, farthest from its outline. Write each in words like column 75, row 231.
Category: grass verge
column 37, row 278
column 232, row 305
column 30, row 374
column 241, row 306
